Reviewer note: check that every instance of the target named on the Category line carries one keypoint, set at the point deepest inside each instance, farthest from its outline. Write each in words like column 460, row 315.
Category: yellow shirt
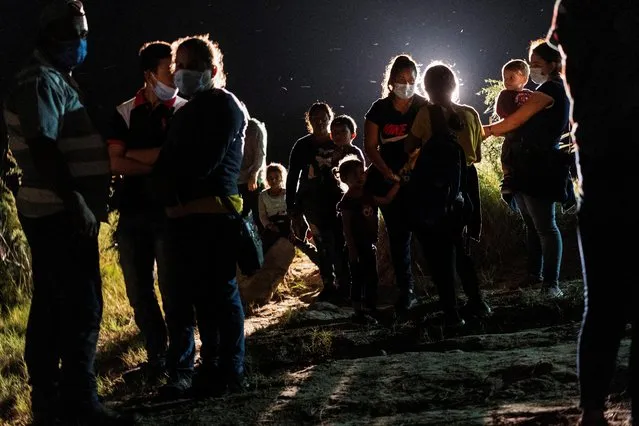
column 470, row 137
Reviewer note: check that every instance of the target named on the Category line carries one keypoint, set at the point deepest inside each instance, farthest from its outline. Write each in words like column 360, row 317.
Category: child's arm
column 347, row 217
column 388, row 198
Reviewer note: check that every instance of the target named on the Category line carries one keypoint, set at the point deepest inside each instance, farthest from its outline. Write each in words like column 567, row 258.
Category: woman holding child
column 538, row 169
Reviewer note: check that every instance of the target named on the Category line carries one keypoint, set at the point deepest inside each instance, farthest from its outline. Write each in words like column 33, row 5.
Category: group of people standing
column 178, row 170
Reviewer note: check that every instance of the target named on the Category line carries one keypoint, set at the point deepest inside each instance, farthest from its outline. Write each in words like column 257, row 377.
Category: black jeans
column 66, row 309
column 203, row 250
column 365, row 280
column 328, row 236
column 141, row 239
column 466, row 271
column 399, row 236
column 606, row 219
column 438, row 245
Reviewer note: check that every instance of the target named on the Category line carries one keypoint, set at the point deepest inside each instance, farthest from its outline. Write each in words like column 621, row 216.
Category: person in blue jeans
column 62, row 200
column 388, row 123
column 138, row 130
column 539, row 170
column 196, row 176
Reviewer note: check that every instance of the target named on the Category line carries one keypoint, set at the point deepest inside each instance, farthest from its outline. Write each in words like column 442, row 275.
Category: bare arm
column 371, row 143
column 537, row 102
column 144, row 156
column 348, row 235
column 389, row 197
column 121, row 165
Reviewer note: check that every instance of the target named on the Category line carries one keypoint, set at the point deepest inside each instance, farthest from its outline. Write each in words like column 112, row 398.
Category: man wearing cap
column 60, row 204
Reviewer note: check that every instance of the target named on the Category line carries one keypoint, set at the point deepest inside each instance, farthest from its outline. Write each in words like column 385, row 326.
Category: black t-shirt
column 538, row 167
column 393, row 129
column 137, row 125
column 310, row 178
column 546, row 127
column 364, row 219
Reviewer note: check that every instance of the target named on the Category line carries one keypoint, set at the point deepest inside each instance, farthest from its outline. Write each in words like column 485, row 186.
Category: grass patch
column 119, row 347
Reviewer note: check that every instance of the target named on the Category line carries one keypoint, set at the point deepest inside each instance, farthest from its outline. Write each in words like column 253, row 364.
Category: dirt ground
column 309, row 363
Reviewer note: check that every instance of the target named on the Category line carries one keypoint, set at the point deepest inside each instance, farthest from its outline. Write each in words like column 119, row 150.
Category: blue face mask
column 69, row 54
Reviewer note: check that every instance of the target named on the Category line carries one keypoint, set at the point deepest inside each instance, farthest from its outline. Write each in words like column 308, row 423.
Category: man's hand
column 83, row 218
column 272, row 227
column 252, row 183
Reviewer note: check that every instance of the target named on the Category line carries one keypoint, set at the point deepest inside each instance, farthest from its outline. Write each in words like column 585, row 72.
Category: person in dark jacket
column 596, row 37
column 196, row 175
column 539, row 172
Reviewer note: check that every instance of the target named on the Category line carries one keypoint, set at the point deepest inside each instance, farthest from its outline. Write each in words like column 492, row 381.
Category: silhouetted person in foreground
column 138, row 130
column 600, row 39
column 60, row 204
column 197, row 173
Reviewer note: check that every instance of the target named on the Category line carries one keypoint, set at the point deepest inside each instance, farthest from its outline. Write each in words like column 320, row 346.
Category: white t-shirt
column 271, row 206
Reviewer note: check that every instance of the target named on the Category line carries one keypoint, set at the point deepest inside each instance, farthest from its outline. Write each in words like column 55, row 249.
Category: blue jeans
column 399, row 236
column 543, row 239
column 65, row 314
column 141, row 243
column 607, row 217
column 203, row 252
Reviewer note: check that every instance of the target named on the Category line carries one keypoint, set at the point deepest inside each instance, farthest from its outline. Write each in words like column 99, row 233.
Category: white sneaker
column 553, row 292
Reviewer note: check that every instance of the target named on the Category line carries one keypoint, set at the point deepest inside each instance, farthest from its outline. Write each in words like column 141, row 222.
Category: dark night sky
column 281, row 56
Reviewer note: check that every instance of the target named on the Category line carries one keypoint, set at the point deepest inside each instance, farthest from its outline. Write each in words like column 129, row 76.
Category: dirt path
column 312, row 365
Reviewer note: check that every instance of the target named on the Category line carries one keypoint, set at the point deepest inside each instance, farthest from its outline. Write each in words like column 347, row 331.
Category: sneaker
column 453, row 322
column 406, row 302
column 148, row 372
column 552, row 291
column 98, row 415
column 477, row 308
column 178, row 386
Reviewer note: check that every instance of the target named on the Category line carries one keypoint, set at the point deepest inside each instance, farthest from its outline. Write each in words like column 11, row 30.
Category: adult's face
column 547, row 68
column 163, row 72
column 319, row 122
column 186, row 60
column 73, row 27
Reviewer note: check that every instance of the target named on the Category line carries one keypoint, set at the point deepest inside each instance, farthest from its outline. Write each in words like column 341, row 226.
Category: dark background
column 281, row 56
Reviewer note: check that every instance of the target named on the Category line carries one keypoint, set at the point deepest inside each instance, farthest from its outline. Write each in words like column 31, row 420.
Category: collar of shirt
column 140, row 99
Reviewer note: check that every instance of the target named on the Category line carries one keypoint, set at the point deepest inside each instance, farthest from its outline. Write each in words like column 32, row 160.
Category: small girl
column 273, row 214
column 358, row 209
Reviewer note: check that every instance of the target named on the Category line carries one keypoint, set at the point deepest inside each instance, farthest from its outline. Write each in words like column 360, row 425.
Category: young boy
column 515, row 77
column 358, row 209
column 343, row 132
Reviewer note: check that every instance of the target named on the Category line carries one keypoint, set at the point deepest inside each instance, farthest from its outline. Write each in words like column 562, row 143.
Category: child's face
column 341, row 135
column 274, row 179
column 357, row 178
column 514, row 80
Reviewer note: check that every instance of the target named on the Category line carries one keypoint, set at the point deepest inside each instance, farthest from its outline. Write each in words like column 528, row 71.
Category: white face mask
column 537, row 77
column 164, row 92
column 189, row 82
column 404, row 91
